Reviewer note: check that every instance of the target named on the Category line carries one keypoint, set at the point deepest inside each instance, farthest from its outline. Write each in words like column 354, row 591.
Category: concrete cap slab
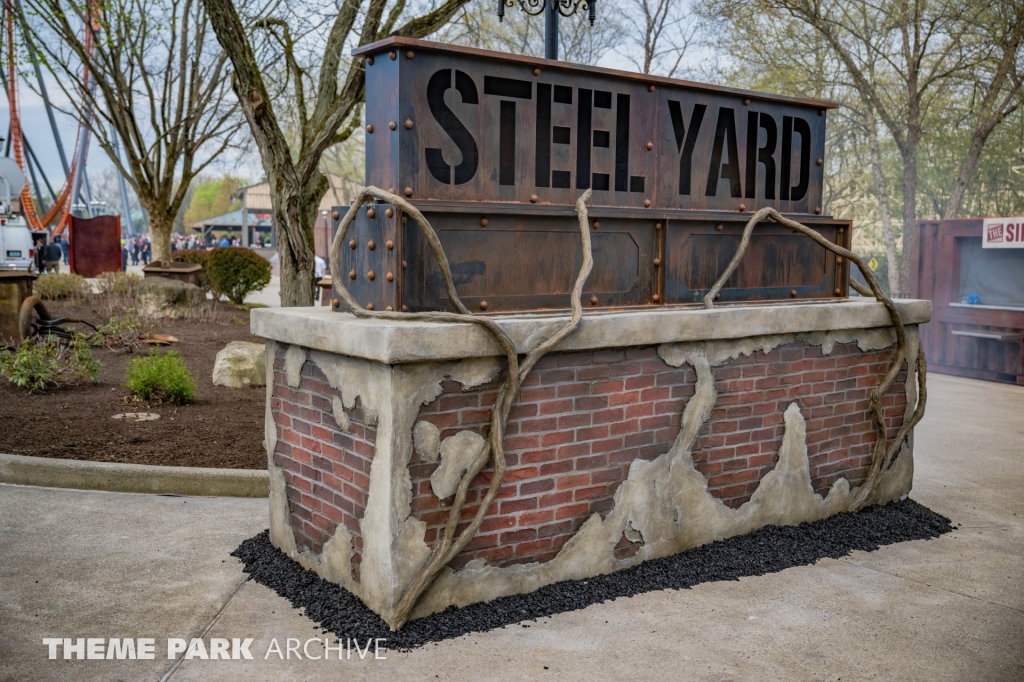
column 395, row 342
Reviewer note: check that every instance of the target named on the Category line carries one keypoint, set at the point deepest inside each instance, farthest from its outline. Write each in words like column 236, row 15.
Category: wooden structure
column 982, row 340
column 494, row 149
column 95, row 245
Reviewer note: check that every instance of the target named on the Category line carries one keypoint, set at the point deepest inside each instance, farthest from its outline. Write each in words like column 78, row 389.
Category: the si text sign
column 1003, row 233
column 456, row 124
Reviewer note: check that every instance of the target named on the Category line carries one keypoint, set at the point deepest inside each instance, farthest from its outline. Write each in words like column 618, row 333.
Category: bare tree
column 325, row 91
column 155, row 79
column 661, row 31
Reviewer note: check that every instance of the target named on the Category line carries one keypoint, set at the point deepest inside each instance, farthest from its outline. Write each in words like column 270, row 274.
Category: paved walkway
column 83, row 564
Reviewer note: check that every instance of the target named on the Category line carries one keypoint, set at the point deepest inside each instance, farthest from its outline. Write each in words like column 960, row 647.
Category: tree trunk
column 295, row 210
column 882, row 192
column 160, row 227
column 908, row 271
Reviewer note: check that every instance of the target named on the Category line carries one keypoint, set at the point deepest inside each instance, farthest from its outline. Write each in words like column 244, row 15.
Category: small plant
column 161, row 378
column 123, row 284
column 61, row 285
column 121, row 332
column 236, row 272
column 199, row 257
column 49, row 363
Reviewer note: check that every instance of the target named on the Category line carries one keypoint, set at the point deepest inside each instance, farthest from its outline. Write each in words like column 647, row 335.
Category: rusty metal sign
column 458, row 124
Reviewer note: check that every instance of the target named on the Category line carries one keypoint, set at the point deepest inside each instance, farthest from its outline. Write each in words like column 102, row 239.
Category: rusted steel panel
column 95, row 245
column 505, row 261
column 465, row 125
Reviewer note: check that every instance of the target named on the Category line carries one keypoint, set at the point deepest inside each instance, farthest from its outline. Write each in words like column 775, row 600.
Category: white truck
column 16, row 249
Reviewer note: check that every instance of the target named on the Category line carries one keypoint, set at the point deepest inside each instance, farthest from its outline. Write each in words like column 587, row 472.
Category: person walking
column 52, row 256
column 147, row 251
column 124, row 255
column 319, row 269
column 64, row 248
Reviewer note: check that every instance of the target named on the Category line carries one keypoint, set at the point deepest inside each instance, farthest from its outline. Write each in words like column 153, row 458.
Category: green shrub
column 49, row 363
column 125, row 284
column 198, row 256
column 162, row 378
column 235, row 272
column 61, row 285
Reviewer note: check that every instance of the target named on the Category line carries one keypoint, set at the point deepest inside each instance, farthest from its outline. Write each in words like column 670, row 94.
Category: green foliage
column 49, row 363
column 121, row 332
column 61, row 285
column 197, row 256
column 235, row 272
column 124, row 284
column 212, row 198
column 162, row 378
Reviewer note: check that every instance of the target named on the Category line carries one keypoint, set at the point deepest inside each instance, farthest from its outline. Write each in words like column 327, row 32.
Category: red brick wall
column 327, row 471
column 580, row 420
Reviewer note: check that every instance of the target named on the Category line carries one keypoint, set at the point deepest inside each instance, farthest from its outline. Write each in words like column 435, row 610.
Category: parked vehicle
column 16, row 250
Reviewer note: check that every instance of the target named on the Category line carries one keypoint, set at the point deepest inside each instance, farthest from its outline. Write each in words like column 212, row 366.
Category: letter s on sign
column 439, row 83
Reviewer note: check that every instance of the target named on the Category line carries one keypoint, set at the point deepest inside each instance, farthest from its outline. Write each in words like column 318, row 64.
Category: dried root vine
column 450, row 544
column 884, row 451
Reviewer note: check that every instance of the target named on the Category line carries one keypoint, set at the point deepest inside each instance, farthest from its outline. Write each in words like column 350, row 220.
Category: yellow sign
column 873, row 264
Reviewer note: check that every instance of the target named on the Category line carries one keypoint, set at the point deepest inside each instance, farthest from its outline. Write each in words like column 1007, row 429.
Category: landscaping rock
column 240, row 364
column 162, row 297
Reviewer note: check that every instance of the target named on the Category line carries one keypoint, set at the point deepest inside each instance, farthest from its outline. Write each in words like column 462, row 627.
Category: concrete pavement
column 119, row 565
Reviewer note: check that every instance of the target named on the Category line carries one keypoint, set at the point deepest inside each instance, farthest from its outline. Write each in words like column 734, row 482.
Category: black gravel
column 767, row 550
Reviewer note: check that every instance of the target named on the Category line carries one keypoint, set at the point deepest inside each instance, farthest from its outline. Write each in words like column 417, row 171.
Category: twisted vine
column 884, row 451
column 450, row 545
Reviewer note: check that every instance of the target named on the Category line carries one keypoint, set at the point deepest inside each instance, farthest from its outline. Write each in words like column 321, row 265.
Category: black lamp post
column 551, row 10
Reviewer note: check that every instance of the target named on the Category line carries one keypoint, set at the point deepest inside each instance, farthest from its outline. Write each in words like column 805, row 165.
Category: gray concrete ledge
column 132, row 478
column 398, row 342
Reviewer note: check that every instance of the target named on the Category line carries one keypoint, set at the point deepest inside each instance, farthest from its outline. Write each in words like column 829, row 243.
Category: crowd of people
column 180, row 242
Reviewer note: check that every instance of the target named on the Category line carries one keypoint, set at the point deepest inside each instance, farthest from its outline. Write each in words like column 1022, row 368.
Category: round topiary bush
column 236, row 272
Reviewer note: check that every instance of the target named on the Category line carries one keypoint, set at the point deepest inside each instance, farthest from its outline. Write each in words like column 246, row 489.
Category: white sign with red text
column 1003, row 233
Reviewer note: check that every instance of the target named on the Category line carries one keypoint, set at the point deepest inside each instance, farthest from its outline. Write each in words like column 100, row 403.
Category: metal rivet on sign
column 839, row 260
column 391, row 190
column 371, row 245
column 335, row 215
column 657, row 226
column 335, row 303
column 821, row 112
column 650, row 146
column 656, row 298
column 369, row 128
column 533, row 198
column 657, row 262
column 593, row 300
column 838, row 292
column 536, row 72
column 793, row 293
column 483, row 305
column 408, row 191
column 369, row 60
column 483, row 222
column 392, row 125
column 392, row 56
column 647, row 203
column 820, row 162
column 409, row 54
column 353, row 244
column 650, row 88
column 840, row 232
column 596, row 224
column 371, row 275
column 369, row 306
column 404, row 264
column 370, row 213
column 405, row 308
column 743, row 207
column 817, row 210
column 746, row 102
column 390, row 213
column 390, row 277
column 718, row 227
column 389, row 309
column 718, row 296
column 390, row 244
column 352, row 274
column 408, row 124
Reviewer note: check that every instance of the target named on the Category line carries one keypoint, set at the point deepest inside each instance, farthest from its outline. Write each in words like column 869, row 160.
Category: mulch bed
column 767, row 550
column 223, row 428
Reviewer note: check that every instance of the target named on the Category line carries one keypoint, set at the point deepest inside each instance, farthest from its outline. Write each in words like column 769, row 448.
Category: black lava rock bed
column 766, row 550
